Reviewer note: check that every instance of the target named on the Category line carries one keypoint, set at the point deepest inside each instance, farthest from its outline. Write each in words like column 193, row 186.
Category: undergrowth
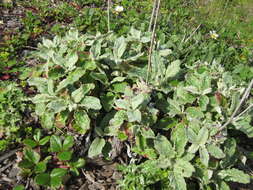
column 180, row 108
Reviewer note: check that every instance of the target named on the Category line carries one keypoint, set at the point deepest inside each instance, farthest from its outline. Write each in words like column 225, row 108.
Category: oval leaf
column 234, row 175
column 96, row 147
column 91, row 102
column 55, row 144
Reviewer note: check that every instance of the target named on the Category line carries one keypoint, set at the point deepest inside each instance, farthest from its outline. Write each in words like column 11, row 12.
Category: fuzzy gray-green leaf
column 81, row 122
column 71, row 78
column 173, row 69
column 179, row 138
column 96, row 147
column 57, row 105
column 183, row 168
column 178, row 182
column 204, row 156
column 134, row 115
column 163, row 146
column 234, row 175
column 78, row 94
column 137, row 100
column 194, row 112
column 91, row 102
column 40, row 83
column 119, row 47
column 202, row 136
column 215, row 151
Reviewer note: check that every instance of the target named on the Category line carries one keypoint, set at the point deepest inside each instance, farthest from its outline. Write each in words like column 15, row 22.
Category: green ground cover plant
column 178, row 99
column 14, row 114
column 191, row 103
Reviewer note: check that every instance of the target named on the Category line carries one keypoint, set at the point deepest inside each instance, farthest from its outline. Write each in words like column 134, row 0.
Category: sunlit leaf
column 91, row 102
column 81, row 122
column 204, row 156
column 215, row 151
column 55, row 144
column 179, row 139
column 32, row 156
column 173, row 69
column 234, row 175
column 134, row 116
column 119, row 47
column 71, row 78
column 163, row 146
column 183, row 168
column 96, row 147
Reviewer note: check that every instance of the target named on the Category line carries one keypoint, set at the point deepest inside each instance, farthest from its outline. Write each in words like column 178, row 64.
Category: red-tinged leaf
column 64, row 167
column 218, row 97
column 5, row 77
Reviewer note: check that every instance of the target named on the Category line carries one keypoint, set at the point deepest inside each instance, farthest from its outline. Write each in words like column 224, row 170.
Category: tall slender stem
column 108, row 14
column 243, row 112
column 157, row 5
column 152, row 16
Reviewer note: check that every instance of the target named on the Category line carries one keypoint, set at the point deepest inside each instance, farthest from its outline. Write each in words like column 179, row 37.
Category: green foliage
column 19, row 187
column 197, row 99
column 194, row 142
column 233, row 16
column 13, row 108
column 93, row 83
column 49, row 159
column 96, row 147
column 66, row 82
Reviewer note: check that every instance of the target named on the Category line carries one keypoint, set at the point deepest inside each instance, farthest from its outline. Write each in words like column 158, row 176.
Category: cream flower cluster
column 213, row 34
column 119, row 9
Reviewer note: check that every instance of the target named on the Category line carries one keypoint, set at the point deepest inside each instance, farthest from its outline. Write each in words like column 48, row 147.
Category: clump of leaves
column 12, row 112
column 175, row 120
column 197, row 147
column 68, row 83
column 49, row 159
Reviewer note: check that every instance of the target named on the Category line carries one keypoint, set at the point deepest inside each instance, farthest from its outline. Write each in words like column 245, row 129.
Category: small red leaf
column 5, row 77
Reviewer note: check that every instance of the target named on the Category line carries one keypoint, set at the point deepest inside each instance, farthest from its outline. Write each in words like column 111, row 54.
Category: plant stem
column 108, row 15
column 244, row 97
column 192, row 33
column 157, row 5
column 152, row 17
column 243, row 112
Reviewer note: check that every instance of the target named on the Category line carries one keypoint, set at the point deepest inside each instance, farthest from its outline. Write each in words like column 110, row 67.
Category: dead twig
column 6, row 179
column 7, row 166
column 30, row 47
column 89, row 178
column 8, row 154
